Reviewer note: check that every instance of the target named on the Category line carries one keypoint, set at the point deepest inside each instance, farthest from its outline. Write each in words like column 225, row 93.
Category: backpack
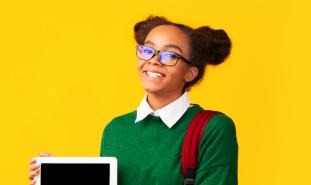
column 190, row 147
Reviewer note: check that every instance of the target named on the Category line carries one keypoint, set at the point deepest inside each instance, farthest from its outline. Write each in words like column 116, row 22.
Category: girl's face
column 169, row 79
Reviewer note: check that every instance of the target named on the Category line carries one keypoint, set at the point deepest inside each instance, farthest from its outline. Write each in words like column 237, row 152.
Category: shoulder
column 131, row 116
column 220, row 131
column 121, row 120
column 221, row 123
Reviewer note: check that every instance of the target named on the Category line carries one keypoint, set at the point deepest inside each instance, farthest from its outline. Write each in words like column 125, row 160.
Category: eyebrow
column 166, row 46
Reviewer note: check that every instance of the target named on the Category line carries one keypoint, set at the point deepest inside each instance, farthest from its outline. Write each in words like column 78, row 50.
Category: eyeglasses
column 167, row 58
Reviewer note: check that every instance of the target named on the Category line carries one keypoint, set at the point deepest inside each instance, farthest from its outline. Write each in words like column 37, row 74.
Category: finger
column 33, row 160
column 45, row 154
column 33, row 167
column 32, row 174
column 33, row 182
column 37, row 171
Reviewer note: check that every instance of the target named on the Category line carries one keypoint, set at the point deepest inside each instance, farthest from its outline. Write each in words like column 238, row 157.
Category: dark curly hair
column 207, row 45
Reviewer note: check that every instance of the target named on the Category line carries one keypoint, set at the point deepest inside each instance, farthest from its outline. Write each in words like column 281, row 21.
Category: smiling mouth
column 154, row 74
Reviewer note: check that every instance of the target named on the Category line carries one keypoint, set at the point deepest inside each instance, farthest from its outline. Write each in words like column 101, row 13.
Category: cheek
column 177, row 75
column 140, row 64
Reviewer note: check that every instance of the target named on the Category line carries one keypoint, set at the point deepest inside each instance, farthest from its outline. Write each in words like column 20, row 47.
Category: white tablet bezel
column 80, row 160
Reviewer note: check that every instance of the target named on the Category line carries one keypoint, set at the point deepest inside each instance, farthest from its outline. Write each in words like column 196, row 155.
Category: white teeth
column 154, row 75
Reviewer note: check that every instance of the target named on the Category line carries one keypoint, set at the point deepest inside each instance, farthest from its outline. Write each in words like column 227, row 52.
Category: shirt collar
column 169, row 114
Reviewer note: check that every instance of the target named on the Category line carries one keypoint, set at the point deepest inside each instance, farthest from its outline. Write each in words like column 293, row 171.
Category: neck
column 157, row 101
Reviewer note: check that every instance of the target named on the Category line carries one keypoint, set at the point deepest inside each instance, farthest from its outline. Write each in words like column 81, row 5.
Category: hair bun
column 142, row 28
column 217, row 44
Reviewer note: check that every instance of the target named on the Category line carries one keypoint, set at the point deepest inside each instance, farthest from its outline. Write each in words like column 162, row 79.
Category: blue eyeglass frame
column 158, row 51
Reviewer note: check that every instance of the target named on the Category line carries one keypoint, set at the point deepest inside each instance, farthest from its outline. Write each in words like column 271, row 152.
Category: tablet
column 77, row 171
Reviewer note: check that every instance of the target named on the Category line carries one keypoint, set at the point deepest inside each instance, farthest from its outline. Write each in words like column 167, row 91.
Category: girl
column 147, row 142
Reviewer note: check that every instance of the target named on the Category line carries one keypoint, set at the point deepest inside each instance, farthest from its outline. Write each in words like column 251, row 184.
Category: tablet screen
column 74, row 174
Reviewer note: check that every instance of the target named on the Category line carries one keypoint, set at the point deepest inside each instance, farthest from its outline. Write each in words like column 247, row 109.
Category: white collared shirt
column 169, row 114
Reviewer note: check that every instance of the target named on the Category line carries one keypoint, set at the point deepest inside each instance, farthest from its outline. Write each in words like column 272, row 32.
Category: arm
column 218, row 153
column 104, row 142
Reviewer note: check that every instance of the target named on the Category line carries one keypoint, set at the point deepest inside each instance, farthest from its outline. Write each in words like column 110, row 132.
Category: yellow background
column 68, row 67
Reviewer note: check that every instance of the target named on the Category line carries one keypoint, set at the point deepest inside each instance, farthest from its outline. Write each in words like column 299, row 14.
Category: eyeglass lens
column 165, row 57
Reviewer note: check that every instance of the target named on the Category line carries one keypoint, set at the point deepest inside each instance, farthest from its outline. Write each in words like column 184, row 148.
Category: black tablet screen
column 74, row 174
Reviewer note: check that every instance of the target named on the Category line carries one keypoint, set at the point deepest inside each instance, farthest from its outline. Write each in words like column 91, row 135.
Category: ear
column 191, row 73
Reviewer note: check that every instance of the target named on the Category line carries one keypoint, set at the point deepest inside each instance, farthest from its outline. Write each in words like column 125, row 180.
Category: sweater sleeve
column 105, row 143
column 102, row 148
column 218, row 153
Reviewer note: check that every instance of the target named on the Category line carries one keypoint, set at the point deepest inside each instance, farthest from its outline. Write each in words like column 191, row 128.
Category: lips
column 153, row 74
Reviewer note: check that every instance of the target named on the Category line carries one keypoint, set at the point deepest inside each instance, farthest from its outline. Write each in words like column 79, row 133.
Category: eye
column 170, row 55
column 147, row 51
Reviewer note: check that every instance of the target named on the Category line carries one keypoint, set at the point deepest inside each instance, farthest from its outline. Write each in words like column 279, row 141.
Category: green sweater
column 148, row 152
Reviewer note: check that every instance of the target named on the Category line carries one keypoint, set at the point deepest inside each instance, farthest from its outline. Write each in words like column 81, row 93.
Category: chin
column 152, row 89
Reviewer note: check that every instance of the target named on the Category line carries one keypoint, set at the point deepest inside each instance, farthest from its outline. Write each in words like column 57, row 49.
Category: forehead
column 164, row 35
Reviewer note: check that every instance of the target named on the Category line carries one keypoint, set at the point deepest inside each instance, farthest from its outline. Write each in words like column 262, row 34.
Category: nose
column 155, row 59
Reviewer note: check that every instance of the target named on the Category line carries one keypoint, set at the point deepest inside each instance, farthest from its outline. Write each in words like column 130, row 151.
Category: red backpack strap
column 190, row 147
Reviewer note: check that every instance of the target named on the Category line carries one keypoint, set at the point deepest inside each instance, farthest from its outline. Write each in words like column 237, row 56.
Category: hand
column 34, row 169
